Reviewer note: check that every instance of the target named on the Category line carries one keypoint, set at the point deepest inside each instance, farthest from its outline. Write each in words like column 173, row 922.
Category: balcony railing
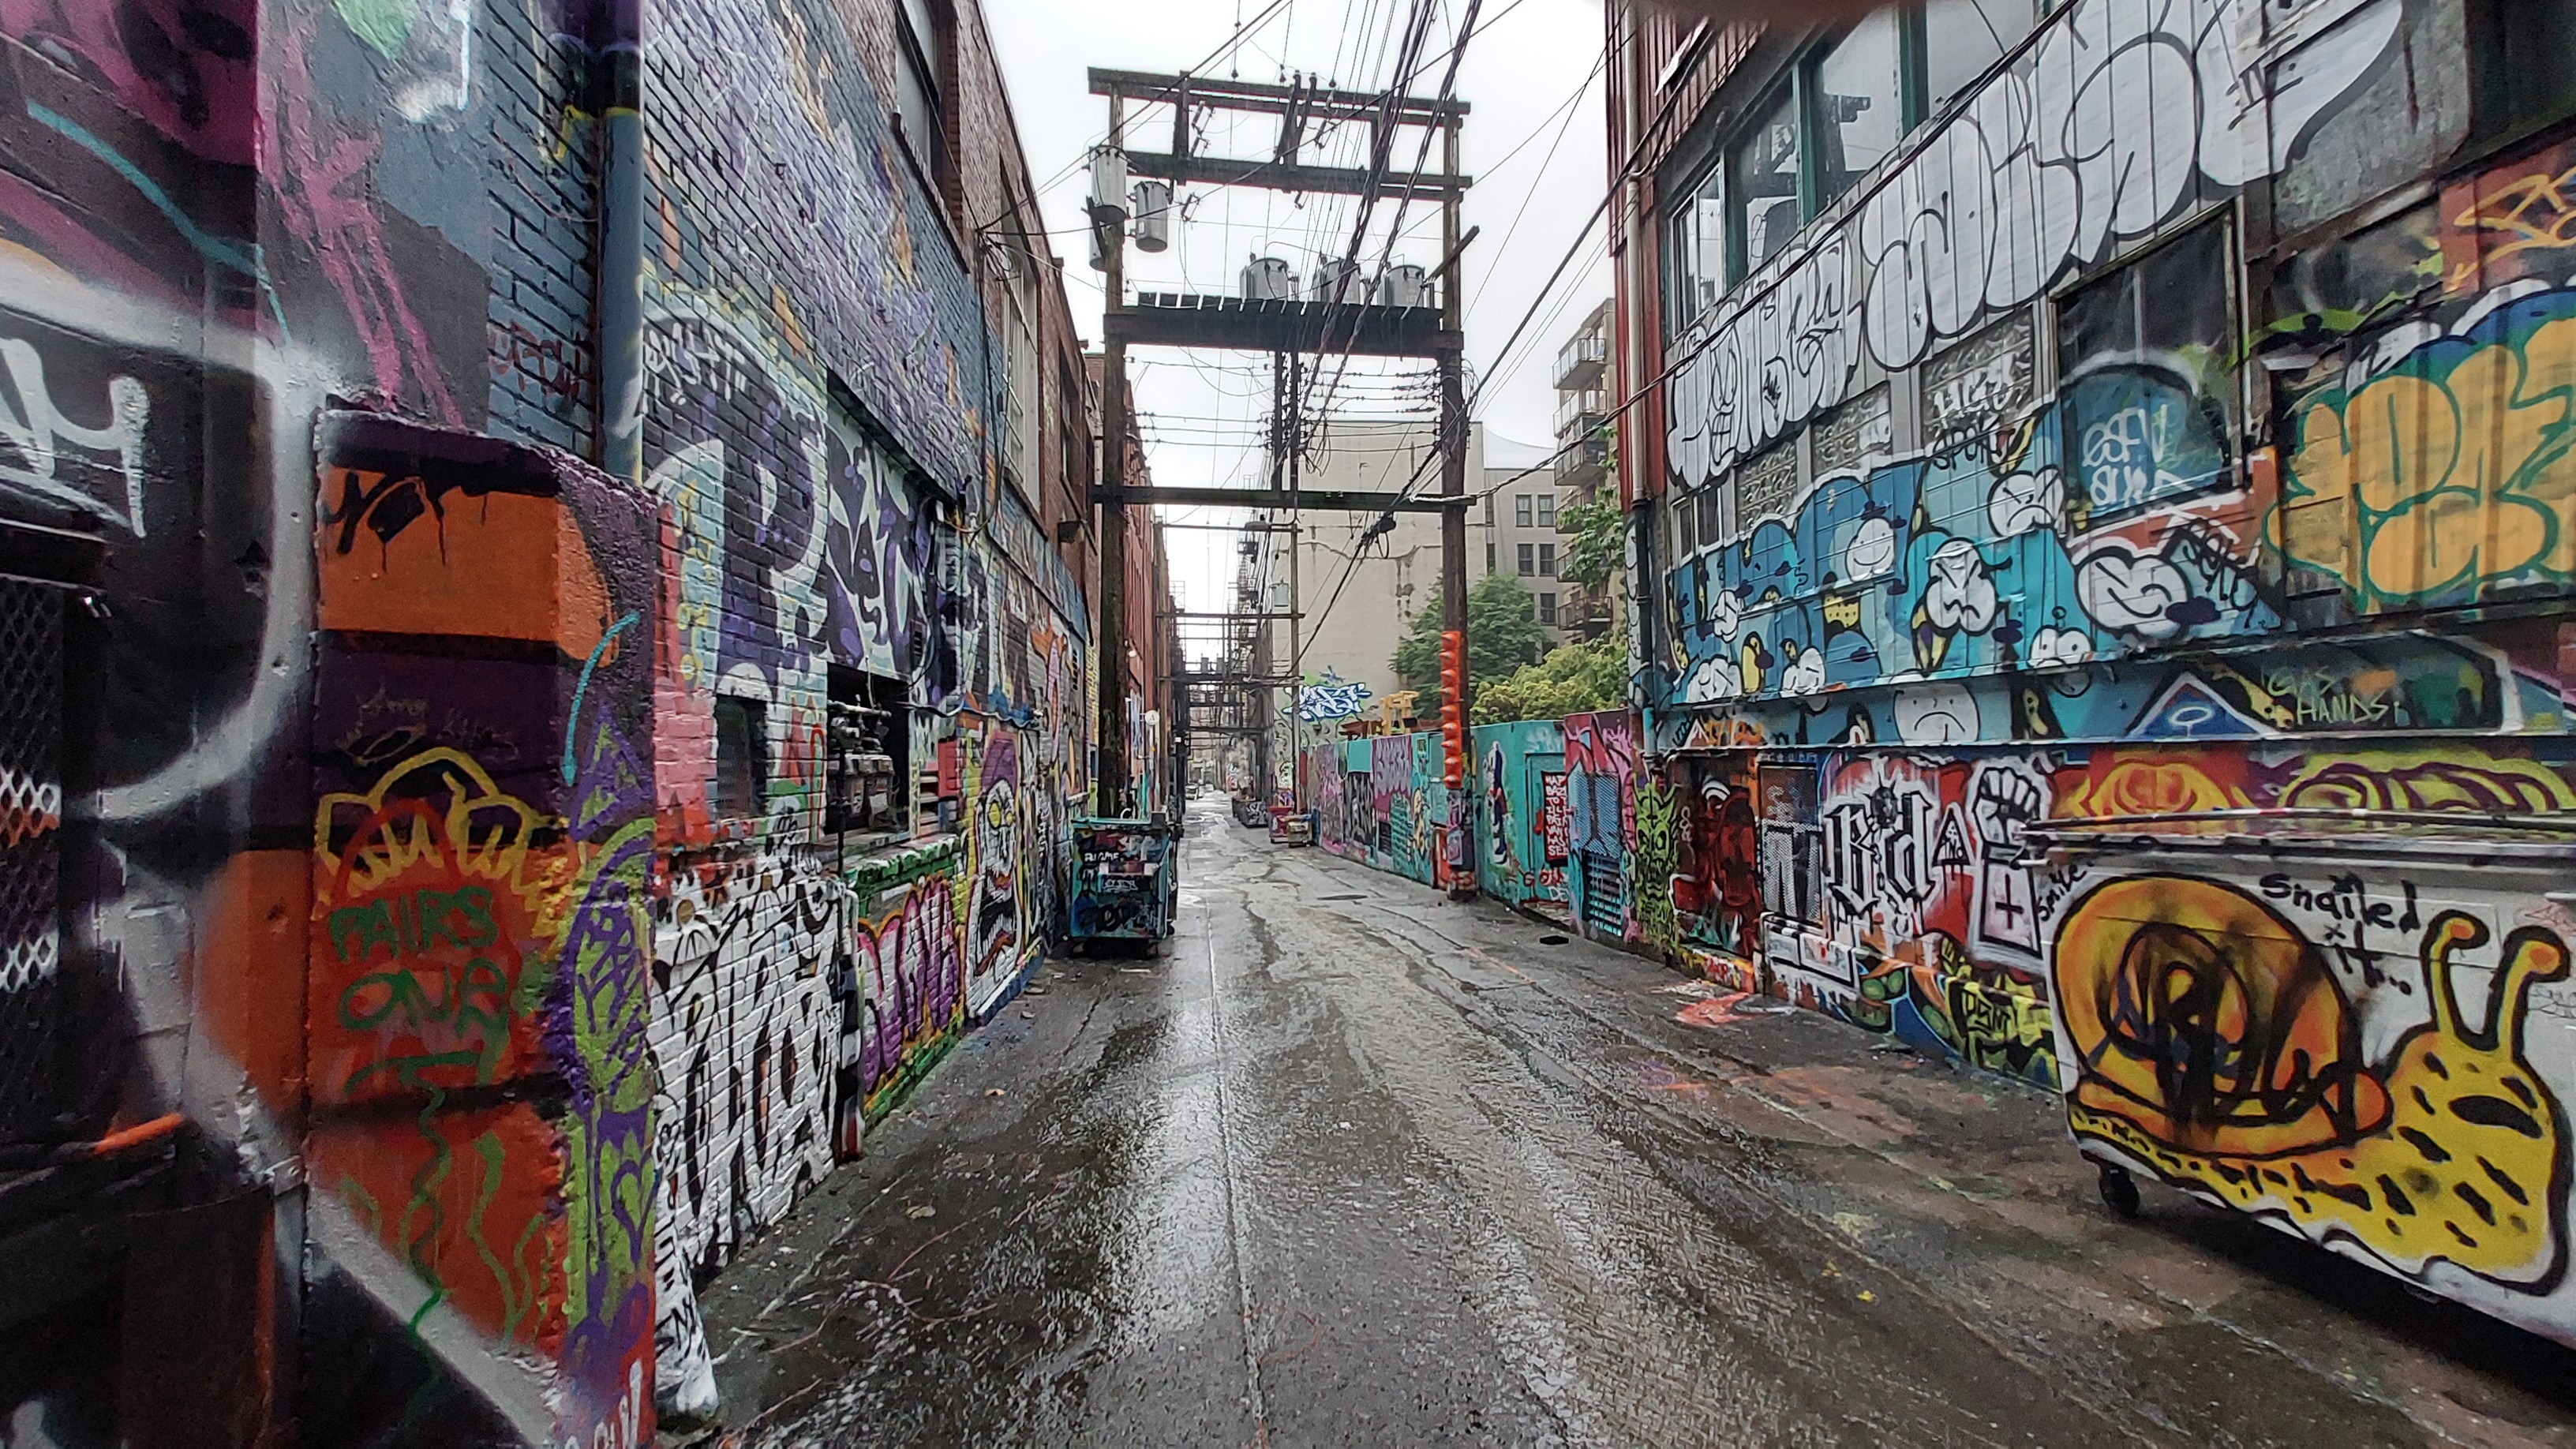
column 1575, row 408
column 1581, row 362
column 1583, row 466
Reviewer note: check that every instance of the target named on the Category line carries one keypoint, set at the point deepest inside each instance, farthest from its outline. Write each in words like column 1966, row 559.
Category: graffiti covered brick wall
column 821, row 427
column 2006, row 194
column 759, row 111
column 2428, row 443
column 2047, row 532
column 1900, row 892
column 219, row 222
column 1712, row 868
column 1385, row 802
column 376, row 896
column 2029, row 512
column 481, row 886
column 909, row 971
column 2026, row 486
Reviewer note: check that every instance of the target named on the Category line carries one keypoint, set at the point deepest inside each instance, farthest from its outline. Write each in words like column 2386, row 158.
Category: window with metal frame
column 1695, row 236
column 1841, row 109
column 2514, row 88
column 2149, row 405
column 1763, row 166
column 1962, row 40
column 1856, row 103
column 920, row 108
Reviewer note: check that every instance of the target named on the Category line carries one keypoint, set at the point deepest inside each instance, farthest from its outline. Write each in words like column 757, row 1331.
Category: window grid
column 1880, row 79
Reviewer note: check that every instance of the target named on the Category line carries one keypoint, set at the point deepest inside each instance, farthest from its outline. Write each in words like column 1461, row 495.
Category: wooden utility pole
column 1295, row 427
column 1329, row 320
column 1453, row 485
column 1111, row 784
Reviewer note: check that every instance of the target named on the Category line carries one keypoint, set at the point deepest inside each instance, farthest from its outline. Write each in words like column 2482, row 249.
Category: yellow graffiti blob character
column 2213, row 1045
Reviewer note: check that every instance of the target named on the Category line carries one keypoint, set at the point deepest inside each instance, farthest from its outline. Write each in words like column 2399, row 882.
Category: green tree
column 1503, row 635
column 1599, row 543
column 1572, row 679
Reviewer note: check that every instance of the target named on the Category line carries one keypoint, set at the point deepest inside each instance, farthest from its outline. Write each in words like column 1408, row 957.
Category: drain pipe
column 617, row 49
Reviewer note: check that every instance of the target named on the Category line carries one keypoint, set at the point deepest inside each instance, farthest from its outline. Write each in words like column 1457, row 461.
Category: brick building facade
column 548, row 602
column 2101, row 497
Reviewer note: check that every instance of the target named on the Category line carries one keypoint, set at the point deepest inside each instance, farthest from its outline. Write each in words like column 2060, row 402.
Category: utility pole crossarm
column 1307, row 499
column 1236, row 324
column 1311, row 103
column 1281, row 175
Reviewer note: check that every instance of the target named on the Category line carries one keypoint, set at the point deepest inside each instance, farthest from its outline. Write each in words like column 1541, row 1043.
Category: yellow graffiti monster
column 2212, row 1043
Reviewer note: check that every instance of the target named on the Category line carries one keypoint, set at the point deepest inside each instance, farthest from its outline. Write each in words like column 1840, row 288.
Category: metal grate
column 31, row 804
column 1598, row 828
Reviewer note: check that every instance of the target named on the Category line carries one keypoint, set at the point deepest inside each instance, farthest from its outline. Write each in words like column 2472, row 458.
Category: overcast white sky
column 1532, row 143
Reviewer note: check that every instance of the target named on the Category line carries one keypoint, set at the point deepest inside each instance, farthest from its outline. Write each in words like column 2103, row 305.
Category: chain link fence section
column 31, row 807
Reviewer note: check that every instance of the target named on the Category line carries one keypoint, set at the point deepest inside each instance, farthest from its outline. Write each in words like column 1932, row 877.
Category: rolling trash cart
column 1126, row 881
column 2355, row 1026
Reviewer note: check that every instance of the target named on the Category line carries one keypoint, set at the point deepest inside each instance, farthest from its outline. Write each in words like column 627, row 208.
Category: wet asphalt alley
column 1353, row 1165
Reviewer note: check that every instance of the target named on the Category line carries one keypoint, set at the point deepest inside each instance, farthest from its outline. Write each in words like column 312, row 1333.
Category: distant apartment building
column 1356, row 593
column 1586, row 380
column 1519, row 522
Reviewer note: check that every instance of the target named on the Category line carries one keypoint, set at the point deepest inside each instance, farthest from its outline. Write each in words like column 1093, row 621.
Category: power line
column 1635, row 159
column 1379, row 162
column 1242, row 33
column 1503, row 367
column 1572, row 102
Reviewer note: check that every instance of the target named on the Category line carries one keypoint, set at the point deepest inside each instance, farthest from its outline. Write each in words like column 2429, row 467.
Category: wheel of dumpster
column 2119, row 1190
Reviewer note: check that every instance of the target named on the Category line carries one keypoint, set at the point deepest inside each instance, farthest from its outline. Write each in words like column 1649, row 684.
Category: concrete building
column 1519, row 521
column 1358, row 592
column 1587, row 378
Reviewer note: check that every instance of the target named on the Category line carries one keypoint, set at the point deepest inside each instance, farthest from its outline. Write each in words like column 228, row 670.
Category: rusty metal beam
column 1178, row 319
column 1275, row 498
column 1283, row 176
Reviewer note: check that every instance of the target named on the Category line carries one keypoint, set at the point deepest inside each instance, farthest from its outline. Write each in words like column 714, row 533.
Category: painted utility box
column 1525, row 818
column 2364, row 1038
column 1126, row 880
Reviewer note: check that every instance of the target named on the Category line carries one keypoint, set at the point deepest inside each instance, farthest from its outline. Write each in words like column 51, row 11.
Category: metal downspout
column 618, row 50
